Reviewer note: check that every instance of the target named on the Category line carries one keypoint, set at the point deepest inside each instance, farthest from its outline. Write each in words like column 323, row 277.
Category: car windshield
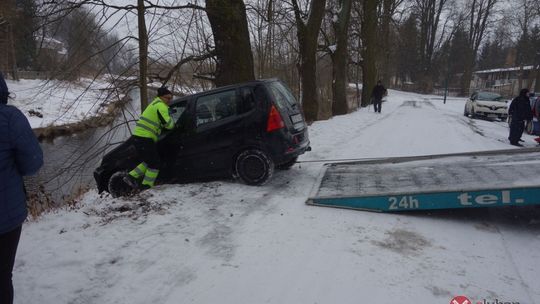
column 489, row 96
column 176, row 110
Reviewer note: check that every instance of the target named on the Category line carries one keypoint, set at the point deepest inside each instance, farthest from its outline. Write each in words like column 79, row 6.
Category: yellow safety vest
column 154, row 118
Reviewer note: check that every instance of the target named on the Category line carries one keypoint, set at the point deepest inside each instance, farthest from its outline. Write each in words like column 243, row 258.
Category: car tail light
column 275, row 122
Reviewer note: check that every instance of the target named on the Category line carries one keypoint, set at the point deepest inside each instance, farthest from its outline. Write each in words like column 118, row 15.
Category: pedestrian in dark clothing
column 20, row 154
column 519, row 111
column 377, row 94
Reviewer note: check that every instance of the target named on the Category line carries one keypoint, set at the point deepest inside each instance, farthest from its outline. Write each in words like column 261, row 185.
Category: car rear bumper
column 284, row 146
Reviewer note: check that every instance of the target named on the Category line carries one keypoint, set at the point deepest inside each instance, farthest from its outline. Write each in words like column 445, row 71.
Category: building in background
column 505, row 81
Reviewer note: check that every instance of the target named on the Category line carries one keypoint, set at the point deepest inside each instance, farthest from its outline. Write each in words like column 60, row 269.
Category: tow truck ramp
column 448, row 181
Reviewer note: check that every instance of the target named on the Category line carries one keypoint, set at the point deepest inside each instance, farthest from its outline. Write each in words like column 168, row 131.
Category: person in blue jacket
column 20, row 154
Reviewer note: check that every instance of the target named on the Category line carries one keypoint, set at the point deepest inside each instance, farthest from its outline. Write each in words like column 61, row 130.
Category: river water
column 69, row 161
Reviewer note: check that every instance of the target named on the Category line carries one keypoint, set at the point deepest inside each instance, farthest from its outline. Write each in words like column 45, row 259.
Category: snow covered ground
column 225, row 242
column 51, row 102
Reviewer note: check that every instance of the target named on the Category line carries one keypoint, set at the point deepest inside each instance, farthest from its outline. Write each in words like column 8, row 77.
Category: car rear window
column 489, row 96
column 281, row 95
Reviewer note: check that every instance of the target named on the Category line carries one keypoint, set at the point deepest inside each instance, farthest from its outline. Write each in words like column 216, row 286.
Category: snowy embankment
column 54, row 103
column 225, row 242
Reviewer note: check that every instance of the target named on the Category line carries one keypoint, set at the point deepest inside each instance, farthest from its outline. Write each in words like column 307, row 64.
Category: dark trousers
column 147, row 150
column 516, row 130
column 377, row 104
column 8, row 248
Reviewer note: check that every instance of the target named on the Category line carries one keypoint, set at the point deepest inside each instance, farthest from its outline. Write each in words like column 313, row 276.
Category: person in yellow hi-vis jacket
column 145, row 135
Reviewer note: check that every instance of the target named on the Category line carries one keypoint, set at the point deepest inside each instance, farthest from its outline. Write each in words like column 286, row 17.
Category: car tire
column 465, row 113
column 117, row 187
column 254, row 167
column 287, row 165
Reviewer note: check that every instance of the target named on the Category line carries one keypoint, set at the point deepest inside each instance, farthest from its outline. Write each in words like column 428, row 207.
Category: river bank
column 72, row 144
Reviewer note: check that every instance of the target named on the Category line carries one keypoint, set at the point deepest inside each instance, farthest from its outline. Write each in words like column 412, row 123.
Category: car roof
column 224, row 88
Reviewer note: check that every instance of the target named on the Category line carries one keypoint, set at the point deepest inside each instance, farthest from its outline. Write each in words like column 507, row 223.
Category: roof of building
column 528, row 67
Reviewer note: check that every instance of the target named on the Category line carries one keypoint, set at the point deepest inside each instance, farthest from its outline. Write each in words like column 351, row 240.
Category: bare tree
column 231, row 37
column 479, row 13
column 389, row 8
column 527, row 53
column 308, row 32
column 429, row 14
column 58, row 9
column 369, row 49
column 340, row 58
column 143, row 53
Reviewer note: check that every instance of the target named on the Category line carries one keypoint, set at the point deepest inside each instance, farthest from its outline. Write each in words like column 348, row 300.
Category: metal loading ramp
column 464, row 180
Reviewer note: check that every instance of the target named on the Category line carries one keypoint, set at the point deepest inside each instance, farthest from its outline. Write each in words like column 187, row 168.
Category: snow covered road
column 225, row 242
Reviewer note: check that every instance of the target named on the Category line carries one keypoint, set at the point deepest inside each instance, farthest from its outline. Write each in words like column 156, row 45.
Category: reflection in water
column 70, row 161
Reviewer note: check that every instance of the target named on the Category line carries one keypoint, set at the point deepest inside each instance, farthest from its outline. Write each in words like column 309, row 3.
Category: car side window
column 215, row 107
column 248, row 100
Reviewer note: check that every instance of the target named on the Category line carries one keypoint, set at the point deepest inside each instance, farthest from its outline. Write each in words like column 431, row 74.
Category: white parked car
column 486, row 104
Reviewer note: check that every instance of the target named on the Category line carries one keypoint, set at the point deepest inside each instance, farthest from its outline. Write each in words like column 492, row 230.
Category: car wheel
column 117, row 187
column 287, row 165
column 465, row 113
column 254, row 167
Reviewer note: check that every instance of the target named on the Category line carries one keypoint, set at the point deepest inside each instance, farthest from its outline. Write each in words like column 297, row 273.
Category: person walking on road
column 377, row 94
column 153, row 120
column 519, row 111
column 20, row 155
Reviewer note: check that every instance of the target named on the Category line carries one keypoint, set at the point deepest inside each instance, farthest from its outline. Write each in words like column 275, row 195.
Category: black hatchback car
column 244, row 130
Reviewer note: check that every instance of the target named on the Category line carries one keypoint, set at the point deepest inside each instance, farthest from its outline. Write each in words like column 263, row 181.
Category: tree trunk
column 467, row 73
column 307, row 40
column 340, row 60
column 231, row 37
column 369, row 37
column 143, row 54
column 386, row 48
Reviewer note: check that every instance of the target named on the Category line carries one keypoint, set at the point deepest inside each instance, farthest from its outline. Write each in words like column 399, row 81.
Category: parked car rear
column 244, row 130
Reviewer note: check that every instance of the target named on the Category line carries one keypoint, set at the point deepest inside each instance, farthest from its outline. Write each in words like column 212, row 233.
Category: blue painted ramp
column 466, row 180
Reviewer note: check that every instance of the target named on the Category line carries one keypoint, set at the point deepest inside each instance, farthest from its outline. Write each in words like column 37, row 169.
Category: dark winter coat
column 520, row 108
column 4, row 93
column 378, row 92
column 20, row 154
